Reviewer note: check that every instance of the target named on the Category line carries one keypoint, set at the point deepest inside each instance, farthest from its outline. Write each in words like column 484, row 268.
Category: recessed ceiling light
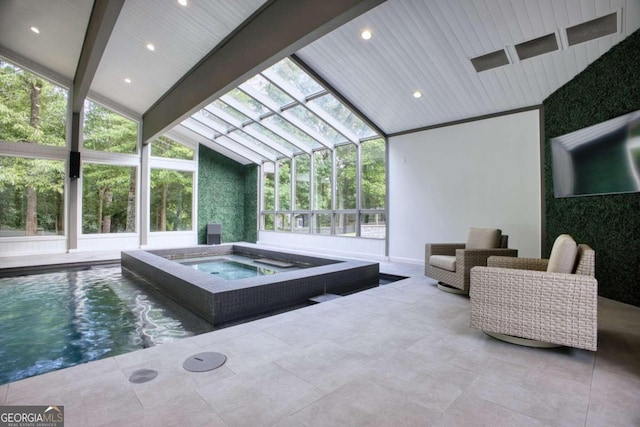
column 182, row 2
column 151, row 47
column 127, row 80
column 35, row 30
column 366, row 34
column 417, row 94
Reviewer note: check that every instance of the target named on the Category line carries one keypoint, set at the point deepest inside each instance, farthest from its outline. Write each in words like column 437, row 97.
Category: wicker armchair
column 517, row 300
column 453, row 275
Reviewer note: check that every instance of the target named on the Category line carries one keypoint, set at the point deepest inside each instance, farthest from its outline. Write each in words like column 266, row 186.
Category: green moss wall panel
column 223, row 198
column 608, row 88
column 251, row 204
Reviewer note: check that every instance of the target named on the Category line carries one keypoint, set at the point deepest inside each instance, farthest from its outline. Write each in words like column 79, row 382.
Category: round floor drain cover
column 142, row 376
column 204, row 362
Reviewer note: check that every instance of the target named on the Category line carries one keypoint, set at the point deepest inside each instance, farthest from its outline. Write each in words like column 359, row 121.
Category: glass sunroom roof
column 278, row 113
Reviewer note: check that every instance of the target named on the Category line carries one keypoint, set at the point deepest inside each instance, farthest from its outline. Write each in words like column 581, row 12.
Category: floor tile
column 400, row 354
column 360, row 403
column 547, row 398
column 262, row 396
column 327, row 365
column 470, row 410
column 248, row 351
column 615, row 400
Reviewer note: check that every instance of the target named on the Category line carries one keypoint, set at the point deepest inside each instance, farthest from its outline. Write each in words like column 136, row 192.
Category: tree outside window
column 107, row 203
column 171, row 200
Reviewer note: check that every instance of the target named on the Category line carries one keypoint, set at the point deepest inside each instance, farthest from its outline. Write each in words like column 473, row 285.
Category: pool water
column 234, row 267
column 55, row 320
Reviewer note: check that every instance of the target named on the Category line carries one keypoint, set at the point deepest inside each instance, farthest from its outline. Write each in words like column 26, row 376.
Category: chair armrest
column 551, row 307
column 473, row 257
column 518, row 263
column 442, row 249
column 466, row 259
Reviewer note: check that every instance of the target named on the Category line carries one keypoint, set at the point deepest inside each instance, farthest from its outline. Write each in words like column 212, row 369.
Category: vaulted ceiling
column 416, row 45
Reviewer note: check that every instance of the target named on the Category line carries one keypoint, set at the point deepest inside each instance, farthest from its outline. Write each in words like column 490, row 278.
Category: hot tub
column 221, row 301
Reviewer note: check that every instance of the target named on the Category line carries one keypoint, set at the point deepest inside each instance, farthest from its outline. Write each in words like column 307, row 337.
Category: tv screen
column 599, row 159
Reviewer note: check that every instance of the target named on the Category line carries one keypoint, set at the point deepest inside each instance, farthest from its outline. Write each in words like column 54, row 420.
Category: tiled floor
column 401, row 354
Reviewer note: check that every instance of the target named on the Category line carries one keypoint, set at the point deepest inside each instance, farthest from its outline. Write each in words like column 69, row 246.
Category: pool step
column 324, row 298
column 274, row 262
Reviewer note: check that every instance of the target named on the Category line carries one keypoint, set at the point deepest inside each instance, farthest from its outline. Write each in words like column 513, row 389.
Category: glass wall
column 171, row 200
column 32, row 195
column 168, row 148
column 32, row 110
column 105, row 130
column 108, row 199
column 33, row 113
column 322, row 174
column 34, row 187
column 346, row 178
column 303, row 182
column 373, row 164
column 284, row 184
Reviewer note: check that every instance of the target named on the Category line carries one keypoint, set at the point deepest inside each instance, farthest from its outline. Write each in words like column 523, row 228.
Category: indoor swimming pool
column 64, row 318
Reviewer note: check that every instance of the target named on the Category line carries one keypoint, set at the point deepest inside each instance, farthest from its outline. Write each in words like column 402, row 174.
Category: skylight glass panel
column 231, row 111
column 205, row 116
column 293, row 74
column 246, row 138
column 342, row 114
column 297, row 136
column 271, row 136
column 317, row 124
column 265, row 87
column 248, row 102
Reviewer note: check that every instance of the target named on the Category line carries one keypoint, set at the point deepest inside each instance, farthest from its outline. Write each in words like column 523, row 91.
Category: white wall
column 484, row 173
column 348, row 247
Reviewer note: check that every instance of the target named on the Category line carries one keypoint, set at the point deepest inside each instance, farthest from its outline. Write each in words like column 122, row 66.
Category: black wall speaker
column 74, row 165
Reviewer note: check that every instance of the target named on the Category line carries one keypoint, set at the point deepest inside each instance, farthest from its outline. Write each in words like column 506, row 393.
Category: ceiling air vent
column 490, row 60
column 537, row 46
column 594, row 29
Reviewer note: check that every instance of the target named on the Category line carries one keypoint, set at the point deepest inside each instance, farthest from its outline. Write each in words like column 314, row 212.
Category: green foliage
column 105, row 194
column 303, row 181
column 32, row 110
column 105, row 130
column 171, row 195
column 16, row 86
column 374, row 188
column 268, row 187
column 46, row 177
column 284, row 184
column 346, row 176
column 167, row 147
column 322, row 179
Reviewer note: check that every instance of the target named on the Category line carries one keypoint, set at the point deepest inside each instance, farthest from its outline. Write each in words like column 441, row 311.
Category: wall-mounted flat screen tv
column 599, row 159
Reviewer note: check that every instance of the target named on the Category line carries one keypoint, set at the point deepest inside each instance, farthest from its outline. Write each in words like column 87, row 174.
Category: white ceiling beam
column 277, row 30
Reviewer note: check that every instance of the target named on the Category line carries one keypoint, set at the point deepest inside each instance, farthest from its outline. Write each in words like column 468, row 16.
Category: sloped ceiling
column 423, row 45
column 426, row 45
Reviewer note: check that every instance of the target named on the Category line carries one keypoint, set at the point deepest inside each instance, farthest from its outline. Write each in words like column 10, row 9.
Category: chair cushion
column 483, row 238
column 445, row 262
column 563, row 255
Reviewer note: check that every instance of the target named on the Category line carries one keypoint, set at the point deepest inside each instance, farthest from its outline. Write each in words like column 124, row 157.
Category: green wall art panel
column 610, row 224
column 227, row 195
